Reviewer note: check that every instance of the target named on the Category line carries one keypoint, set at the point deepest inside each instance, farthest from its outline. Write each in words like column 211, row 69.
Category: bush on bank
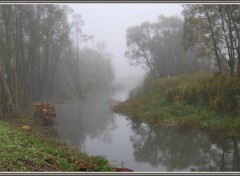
column 199, row 100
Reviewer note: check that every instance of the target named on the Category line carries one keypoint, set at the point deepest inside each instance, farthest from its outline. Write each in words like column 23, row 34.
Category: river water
column 91, row 126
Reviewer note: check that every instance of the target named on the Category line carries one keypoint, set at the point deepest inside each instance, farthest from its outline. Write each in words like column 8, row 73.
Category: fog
column 108, row 22
column 77, row 63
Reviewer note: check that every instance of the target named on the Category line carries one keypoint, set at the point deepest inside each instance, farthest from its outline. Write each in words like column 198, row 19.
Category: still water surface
column 91, row 126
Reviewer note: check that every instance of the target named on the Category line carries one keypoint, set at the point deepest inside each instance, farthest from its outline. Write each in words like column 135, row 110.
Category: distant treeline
column 207, row 38
column 42, row 58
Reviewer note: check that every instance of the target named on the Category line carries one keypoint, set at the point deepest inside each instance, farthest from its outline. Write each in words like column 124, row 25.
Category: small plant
column 107, row 168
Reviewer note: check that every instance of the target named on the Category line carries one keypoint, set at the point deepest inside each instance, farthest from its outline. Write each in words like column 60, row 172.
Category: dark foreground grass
column 149, row 105
column 21, row 150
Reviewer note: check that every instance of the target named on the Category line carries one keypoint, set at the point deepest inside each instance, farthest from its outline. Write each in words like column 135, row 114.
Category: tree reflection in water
column 90, row 118
column 185, row 150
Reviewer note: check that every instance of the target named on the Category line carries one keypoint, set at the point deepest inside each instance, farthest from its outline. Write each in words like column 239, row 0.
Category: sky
column 108, row 22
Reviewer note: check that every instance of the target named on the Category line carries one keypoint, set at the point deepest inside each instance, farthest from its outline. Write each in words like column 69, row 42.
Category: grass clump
column 194, row 101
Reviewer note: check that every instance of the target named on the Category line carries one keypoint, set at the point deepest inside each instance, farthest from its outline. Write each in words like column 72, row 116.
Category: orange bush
column 45, row 111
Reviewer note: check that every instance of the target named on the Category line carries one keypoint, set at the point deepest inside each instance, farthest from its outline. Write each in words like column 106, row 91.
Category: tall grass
column 199, row 100
column 219, row 92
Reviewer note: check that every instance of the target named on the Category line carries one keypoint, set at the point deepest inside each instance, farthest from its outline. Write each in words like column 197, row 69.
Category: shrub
column 220, row 92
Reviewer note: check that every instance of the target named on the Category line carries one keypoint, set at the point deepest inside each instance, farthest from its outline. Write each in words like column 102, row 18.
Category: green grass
column 23, row 151
column 148, row 104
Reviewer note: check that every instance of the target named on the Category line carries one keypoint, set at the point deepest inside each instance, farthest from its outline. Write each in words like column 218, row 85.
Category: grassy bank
column 194, row 101
column 30, row 150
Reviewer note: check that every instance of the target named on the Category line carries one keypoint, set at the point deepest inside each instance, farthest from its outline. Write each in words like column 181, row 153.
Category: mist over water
column 85, row 60
column 91, row 126
column 109, row 22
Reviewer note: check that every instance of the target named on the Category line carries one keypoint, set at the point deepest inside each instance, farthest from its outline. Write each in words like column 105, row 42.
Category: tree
column 32, row 39
column 138, row 43
column 168, row 50
column 96, row 79
column 55, row 30
column 74, row 61
column 158, row 47
column 213, row 29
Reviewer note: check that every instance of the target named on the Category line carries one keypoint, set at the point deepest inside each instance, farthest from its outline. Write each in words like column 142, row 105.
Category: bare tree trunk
column 213, row 39
column 6, row 89
column 236, row 41
column 149, row 64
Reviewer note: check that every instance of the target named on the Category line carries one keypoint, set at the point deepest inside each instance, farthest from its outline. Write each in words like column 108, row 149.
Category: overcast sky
column 108, row 22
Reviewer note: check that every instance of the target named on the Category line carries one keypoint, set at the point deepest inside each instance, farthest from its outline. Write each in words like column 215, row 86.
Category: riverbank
column 21, row 151
column 26, row 147
column 195, row 101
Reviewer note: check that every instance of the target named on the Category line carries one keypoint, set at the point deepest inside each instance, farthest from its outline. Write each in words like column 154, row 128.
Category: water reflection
column 81, row 119
column 181, row 151
column 91, row 126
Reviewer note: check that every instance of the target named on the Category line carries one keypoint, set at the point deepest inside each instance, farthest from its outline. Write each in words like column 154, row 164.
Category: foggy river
column 56, row 52
column 91, row 126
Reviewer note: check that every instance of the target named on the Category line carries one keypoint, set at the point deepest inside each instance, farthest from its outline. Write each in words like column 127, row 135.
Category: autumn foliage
column 219, row 92
column 45, row 111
